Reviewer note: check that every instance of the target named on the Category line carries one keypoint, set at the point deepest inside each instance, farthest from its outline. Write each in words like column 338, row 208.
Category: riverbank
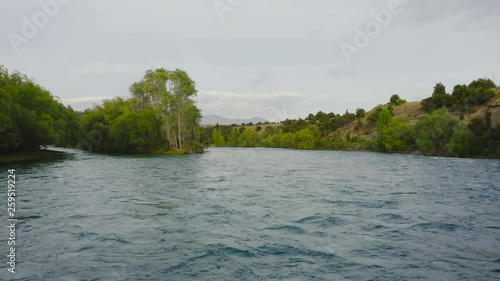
column 27, row 156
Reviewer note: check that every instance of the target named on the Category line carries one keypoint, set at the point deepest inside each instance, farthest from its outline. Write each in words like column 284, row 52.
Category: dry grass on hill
column 410, row 110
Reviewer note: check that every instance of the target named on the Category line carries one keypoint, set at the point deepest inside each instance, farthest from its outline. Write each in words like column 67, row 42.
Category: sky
column 274, row 59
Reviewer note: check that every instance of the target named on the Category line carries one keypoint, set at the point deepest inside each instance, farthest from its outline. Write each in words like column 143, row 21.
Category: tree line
column 437, row 132
column 30, row 117
column 160, row 116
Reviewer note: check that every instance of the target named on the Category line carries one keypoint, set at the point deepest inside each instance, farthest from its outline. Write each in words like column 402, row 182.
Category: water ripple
column 258, row 214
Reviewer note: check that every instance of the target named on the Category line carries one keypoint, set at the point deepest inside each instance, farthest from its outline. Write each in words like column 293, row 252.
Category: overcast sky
column 270, row 58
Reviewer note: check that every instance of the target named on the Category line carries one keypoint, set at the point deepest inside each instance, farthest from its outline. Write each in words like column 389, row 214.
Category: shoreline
column 27, row 156
column 417, row 153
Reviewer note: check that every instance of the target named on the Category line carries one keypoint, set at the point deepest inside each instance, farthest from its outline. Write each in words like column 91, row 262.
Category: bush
column 433, row 132
column 372, row 118
column 394, row 98
column 360, row 113
column 400, row 101
column 463, row 143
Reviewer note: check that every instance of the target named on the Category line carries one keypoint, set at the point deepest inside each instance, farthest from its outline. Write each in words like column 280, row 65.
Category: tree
column 396, row 136
column 233, row 140
column 30, row 117
column 383, row 122
column 170, row 94
column 438, row 99
column 218, row 139
column 433, row 132
column 373, row 117
column 394, row 98
column 384, row 118
column 463, row 143
column 308, row 138
column 360, row 113
column 249, row 138
column 275, row 140
column 287, row 140
column 160, row 115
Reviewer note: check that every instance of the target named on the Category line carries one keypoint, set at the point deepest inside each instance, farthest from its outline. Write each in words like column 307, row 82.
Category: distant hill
column 216, row 119
column 413, row 112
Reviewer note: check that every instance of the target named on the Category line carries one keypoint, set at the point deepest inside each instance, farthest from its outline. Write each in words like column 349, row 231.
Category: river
column 256, row 214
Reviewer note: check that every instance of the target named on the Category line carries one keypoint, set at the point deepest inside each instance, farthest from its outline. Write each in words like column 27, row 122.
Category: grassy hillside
column 413, row 112
column 463, row 123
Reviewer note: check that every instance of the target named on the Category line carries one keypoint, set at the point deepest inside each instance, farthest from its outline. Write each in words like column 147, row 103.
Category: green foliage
column 233, row 139
column 483, row 83
column 463, row 143
column 30, row 117
column 437, row 100
column 308, row 138
column 384, row 118
column 373, row 117
column 477, row 139
column 360, row 113
column 335, row 142
column 463, row 98
column 287, row 140
column 394, row 98
column 275, row 140
column 160, row 116
column 433, row 132
column 395, row 136
column 218, row 139
column 249, row 138
column 400, row 101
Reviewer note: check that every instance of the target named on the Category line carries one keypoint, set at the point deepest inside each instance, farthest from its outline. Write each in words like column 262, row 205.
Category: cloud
column 104, row 68
column 83, row 103
column 262, row 79
column 267, row 58
column 464, row 14
column 341, row 71
column 275, row 106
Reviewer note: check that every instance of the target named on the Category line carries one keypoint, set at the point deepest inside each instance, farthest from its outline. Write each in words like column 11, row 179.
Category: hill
column 413, row 112
column 463, row 123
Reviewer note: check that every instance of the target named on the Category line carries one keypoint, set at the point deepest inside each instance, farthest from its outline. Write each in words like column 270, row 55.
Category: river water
column 256, row 214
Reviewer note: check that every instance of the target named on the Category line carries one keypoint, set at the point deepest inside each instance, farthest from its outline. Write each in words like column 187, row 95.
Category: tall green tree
column 463, row 143
column 233, row 139
column 170, row 94
column 218, row 139
column 433, row 132
column 308, row 138
column 31, row 117
column 160, row 115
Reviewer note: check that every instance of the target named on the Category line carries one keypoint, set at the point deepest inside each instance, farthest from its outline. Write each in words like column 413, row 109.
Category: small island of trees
column 160, row 116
